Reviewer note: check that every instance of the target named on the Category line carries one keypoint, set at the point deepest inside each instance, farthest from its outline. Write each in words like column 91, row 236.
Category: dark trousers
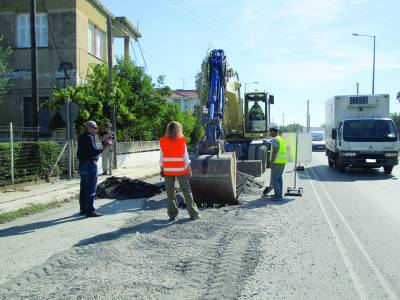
column 87, row 194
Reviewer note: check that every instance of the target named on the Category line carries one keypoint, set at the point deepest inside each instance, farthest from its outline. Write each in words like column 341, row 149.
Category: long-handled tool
column 269, row 188
column 295, row 191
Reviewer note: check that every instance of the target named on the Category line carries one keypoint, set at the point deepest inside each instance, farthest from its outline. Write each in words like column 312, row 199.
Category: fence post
column 12, row 152
column 69, row 139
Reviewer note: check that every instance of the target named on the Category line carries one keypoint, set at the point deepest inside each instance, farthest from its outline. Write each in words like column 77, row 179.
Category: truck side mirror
column 271, row 99
column 334, row 134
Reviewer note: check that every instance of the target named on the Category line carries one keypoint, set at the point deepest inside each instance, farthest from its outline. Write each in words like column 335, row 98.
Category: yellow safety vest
column 281, row 155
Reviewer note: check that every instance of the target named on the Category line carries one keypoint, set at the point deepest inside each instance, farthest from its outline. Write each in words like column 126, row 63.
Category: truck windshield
column 369, row 131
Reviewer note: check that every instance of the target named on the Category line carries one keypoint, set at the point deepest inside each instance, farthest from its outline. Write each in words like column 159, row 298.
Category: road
column 340, row 240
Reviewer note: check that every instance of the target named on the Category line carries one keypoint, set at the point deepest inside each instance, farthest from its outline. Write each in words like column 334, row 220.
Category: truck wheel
column 330, row 162
column 340, row 166
column 388, row 170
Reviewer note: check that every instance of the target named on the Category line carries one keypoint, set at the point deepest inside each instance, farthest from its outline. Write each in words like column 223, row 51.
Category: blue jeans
column 87, row 194
column 276, row 179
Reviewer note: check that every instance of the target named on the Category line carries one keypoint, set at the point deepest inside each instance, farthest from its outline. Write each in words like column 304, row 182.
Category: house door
column 44, row 114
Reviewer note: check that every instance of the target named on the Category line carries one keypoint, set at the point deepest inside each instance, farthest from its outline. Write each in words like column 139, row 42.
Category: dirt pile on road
column 122, row 188
column 246, row 184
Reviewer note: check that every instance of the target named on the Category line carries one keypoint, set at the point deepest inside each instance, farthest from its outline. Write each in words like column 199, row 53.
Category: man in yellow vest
column 278, row 159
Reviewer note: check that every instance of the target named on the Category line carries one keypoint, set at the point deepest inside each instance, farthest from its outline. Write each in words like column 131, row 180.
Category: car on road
column 318, row 140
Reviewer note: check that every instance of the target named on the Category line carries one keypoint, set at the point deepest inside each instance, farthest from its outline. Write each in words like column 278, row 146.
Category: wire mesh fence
column 26, row 156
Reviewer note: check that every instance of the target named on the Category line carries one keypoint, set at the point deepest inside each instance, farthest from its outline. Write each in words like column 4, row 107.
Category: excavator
column 235, row 136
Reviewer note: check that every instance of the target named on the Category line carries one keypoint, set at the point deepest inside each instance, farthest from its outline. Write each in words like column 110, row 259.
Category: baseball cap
column 273, row 126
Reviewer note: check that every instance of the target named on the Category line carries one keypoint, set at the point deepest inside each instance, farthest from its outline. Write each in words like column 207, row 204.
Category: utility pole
column 183, row 83
column 34, row 71
column 111, row 92
column 283, row 119
column 308, row 115
column 358, row 86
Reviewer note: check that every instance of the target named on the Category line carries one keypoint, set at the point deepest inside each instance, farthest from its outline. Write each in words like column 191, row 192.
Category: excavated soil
column 122, row 188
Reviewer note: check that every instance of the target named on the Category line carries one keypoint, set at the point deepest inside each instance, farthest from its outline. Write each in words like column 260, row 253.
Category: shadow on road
column 265, row 201
column 147, row 227
column 28, row 228
column 352, row 174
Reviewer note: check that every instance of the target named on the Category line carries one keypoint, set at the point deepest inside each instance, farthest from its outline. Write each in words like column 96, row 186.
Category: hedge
column 31, row 159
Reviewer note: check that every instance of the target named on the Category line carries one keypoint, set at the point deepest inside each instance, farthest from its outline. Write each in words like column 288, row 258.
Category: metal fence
column 140, row 146
column 26, row 156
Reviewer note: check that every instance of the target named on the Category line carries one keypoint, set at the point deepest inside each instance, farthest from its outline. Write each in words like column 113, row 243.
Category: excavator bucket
column 214, row 179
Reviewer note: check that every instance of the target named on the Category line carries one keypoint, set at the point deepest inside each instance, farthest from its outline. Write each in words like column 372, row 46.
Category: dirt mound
column 126, row 188
column 246, row 184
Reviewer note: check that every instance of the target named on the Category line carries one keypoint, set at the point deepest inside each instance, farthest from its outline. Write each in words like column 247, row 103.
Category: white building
column 186, row 99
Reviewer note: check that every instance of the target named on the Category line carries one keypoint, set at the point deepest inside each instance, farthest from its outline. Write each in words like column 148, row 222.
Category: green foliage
column 4, row 54
column 142, row 111
column 291, row 128
column 396, row 119
column 31, row 159
column 26, row 211
column 202, row 80
column 197, row 133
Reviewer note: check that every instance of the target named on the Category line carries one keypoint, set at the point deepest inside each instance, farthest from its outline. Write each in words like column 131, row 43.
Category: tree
column 202, row 80
column 291, row 128
column 142, row 111
column 4, row 54
column 396, row 119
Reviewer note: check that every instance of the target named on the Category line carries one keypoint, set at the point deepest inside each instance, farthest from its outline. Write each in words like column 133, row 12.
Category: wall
column 87, row 12
column 61, row 17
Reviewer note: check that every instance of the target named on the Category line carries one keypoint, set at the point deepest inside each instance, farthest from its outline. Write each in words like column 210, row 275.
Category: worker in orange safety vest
column 175, row 164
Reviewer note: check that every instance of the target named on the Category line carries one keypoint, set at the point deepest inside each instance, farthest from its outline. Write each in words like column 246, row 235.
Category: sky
column 297, row 50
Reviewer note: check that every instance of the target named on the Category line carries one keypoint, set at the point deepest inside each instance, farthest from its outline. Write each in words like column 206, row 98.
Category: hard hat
column 273, row 126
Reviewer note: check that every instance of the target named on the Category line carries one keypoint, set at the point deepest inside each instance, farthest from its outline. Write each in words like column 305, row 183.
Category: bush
column 31, row 159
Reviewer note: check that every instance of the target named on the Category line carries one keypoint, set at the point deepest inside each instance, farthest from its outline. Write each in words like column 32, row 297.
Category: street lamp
column 373, row 63
column 246, row 83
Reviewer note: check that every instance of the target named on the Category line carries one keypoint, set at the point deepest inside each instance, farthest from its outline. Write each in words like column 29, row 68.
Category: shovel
column 269, row 188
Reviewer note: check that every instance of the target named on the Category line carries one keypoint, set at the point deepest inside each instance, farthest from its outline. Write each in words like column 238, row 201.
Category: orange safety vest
column 173, row 156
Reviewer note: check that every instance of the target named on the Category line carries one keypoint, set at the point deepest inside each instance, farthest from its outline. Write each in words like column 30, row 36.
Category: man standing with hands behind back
column 278, row 159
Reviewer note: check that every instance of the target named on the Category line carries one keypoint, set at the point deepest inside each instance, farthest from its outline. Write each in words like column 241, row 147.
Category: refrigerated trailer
column 359, row 132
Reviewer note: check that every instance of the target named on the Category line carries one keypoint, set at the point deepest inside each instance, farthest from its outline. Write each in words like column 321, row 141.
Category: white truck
column 359, row 133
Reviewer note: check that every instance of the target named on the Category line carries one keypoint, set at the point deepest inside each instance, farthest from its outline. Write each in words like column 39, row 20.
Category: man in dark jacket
column 88, row 155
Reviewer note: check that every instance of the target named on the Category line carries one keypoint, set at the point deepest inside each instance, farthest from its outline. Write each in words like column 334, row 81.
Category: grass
column 26, row 211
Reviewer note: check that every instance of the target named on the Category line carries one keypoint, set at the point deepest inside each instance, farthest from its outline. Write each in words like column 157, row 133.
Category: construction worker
column 256, row 113
column 278, row 159
column 175, row 164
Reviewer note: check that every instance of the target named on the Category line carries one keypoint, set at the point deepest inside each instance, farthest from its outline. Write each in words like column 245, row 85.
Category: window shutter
column 45, row 31
column 91, row 38
column 23, row 31
column 42, row 30
column 98, row 43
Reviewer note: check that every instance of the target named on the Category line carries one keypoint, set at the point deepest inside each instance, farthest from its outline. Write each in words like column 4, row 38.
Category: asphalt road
column 339, row 240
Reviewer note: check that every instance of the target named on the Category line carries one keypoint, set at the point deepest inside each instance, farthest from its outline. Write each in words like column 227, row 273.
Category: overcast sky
column 295, row 49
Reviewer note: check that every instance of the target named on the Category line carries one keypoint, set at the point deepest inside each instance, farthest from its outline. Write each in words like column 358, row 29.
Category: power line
column 61, row 59
column 141, row 52
column 133, row 50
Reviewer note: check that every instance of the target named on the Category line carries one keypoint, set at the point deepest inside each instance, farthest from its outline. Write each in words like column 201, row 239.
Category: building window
column 100, row 42
column 24, row 30
column 91, row 38
column 97, row 41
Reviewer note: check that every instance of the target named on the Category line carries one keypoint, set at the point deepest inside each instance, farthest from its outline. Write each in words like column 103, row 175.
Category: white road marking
column 350, row 268
column 388, row 290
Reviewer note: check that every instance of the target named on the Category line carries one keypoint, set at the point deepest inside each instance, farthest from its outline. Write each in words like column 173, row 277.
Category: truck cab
column 360, row 134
